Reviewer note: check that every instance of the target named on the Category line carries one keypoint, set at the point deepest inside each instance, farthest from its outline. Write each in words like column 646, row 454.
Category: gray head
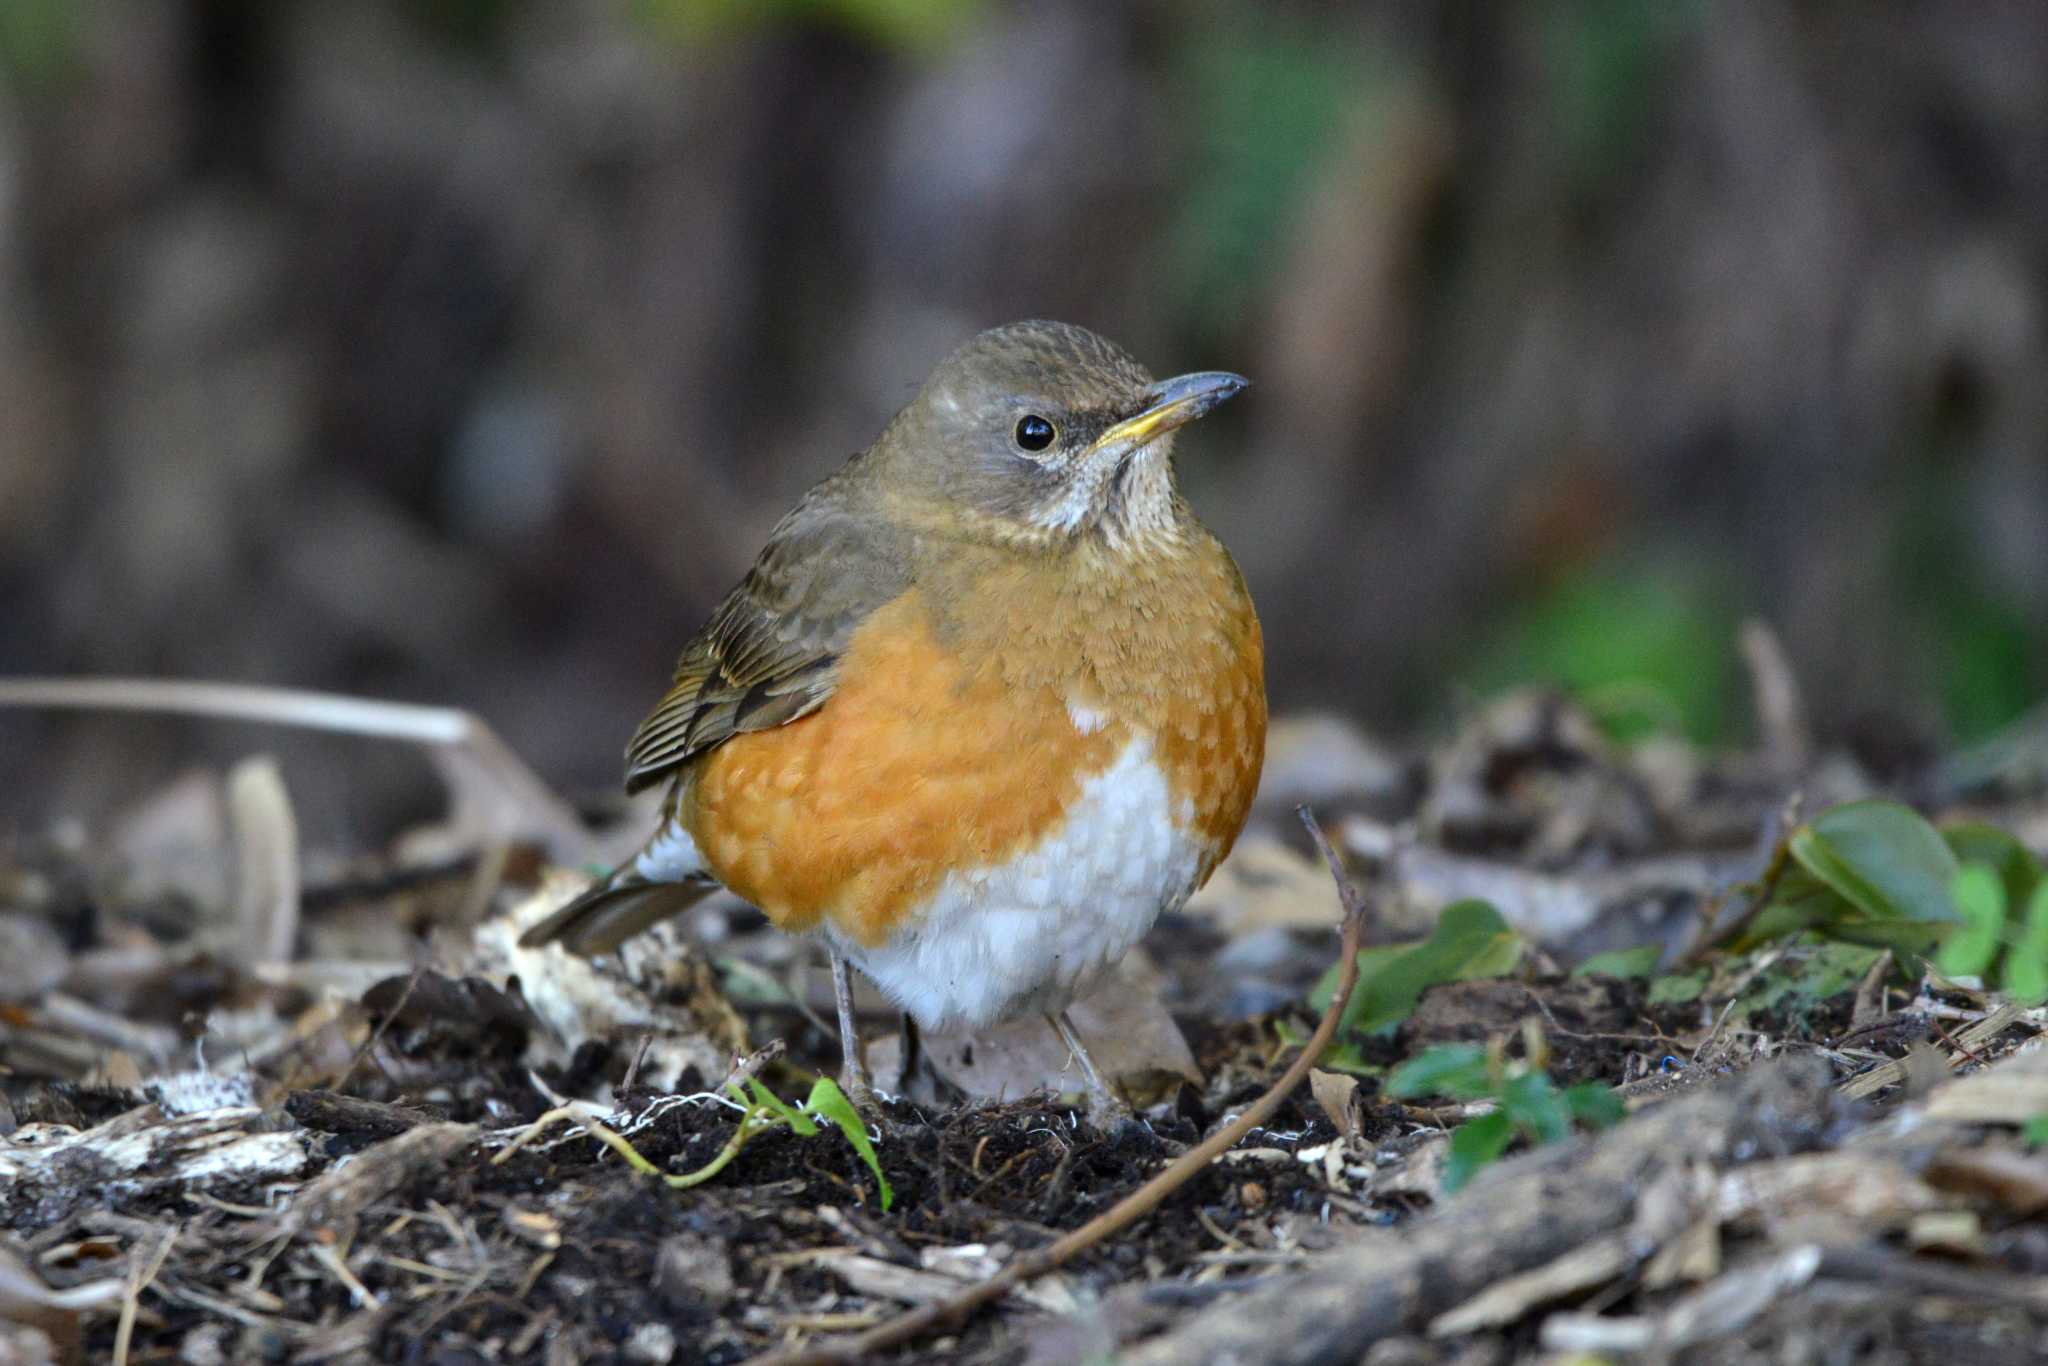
column 1048, row 432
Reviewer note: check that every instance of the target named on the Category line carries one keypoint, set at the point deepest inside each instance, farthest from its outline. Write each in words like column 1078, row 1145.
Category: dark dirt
column 620, row 1251
column 559, row 1252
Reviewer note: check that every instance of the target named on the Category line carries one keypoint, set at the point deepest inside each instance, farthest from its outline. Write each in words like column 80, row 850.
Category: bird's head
column 1042, row 432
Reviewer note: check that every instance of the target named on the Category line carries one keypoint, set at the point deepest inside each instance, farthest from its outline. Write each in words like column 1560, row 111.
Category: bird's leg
column 1105, row 1106
column 854, row 1076
column 913, row 1049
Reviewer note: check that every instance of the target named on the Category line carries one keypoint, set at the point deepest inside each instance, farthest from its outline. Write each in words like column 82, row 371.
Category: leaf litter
column 288, row 1110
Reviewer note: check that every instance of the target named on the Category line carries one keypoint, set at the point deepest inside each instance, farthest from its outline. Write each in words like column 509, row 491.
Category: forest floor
column 368, row 1132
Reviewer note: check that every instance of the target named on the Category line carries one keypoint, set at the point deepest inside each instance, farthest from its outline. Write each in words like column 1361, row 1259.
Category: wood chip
column 1719, row 1309
column 1584, row 1267
column 1856, row 1185
column 145, row 1149
column 2017, row 1180
column 2011, row 1092
column 345, row 1192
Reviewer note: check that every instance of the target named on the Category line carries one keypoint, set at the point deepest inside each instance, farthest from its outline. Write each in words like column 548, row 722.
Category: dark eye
column 1034, row 433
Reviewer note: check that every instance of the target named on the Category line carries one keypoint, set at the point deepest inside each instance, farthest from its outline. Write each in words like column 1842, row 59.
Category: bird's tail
column 664, row 879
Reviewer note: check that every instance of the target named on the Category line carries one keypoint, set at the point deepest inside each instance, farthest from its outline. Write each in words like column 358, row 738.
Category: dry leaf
column 2010, row 1092
column 266, row 842
column 1336, row 1092
column 1265, row 884
column 655, row 987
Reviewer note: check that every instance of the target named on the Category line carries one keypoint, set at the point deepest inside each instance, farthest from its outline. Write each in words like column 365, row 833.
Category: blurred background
column 463, row 351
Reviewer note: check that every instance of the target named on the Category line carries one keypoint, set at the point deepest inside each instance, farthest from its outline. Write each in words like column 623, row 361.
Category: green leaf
column 1264, row 102
column 1450, row 1069
column 1832, row 969
column 1678, row 987
column 1474, row 1144
column 2034, row 1133
column 1594, row 1105
column 1630, row 628
column 1882, row 858
column 1371, row 962
column 1640, row 961
column 829, row 1102
column 1971, row 947
column 1345, row 1057
column 1536, row 1107
column 1470, row 941
column 2026, row 963
column 1819, row 971
column 781, row 1109
column 2015, row 864
column 1801, row 902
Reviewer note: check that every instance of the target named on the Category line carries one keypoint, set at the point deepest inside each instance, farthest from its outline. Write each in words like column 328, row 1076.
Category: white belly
column 1029, row 936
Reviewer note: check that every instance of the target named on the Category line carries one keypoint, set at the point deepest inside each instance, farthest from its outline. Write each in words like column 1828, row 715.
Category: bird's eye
column 1034, row 433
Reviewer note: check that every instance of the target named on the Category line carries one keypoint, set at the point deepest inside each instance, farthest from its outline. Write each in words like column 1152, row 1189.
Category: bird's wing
column 770, row 653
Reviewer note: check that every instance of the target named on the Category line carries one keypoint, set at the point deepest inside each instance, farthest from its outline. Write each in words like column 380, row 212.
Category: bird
column 990, row 701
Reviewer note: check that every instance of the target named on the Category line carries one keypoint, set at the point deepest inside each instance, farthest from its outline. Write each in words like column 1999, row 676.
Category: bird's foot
column 863, row 1095
column 1108, row 1112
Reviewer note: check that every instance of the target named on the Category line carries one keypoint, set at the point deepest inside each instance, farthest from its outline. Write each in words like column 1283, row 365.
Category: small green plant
column 1969, row 898
column 1626, row 964
column 1527, row 1101
column 1991, row 928
column 764, row 1110
column 1471, row 940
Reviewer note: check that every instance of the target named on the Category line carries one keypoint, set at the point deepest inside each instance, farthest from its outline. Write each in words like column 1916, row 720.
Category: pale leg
column 1104, row 1105
column 855, row 1075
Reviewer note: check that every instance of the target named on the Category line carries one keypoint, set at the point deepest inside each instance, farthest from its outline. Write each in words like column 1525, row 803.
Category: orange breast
column 949, row 744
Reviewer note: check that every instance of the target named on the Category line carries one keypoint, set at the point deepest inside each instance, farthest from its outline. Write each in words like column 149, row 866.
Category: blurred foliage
column 1990, row 665
column 1529, row 1102
column 1471, row 940
column 1626, row 964
column 1265, row 104
column 1604, row 58
column 1645, row 647
column 1676, row 988
column 1867, row 872
column 286, row 279
column 2005, row 927
column 1800, row 982
column 465, row 24
column 1789, row 978
column 909, row 25
column 38, row 39
column 1868, row 876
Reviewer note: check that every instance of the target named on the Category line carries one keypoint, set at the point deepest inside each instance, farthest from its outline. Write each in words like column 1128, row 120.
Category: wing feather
column 770, row 653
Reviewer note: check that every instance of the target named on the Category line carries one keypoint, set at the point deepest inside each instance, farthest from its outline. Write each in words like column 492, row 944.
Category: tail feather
column 614, row 911
column 665, row 878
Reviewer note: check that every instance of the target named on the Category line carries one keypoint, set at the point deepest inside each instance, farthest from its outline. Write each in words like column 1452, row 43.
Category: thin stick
column 132, row 1301
column 487, row 783
column 930, row 1318
column 1712, row 934
column 377, row 1034
column 244, row 702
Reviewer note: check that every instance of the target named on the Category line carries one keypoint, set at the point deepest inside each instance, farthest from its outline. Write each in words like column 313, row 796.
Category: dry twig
column 131, row 1302
column 1713, row 934
column 491, row 790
